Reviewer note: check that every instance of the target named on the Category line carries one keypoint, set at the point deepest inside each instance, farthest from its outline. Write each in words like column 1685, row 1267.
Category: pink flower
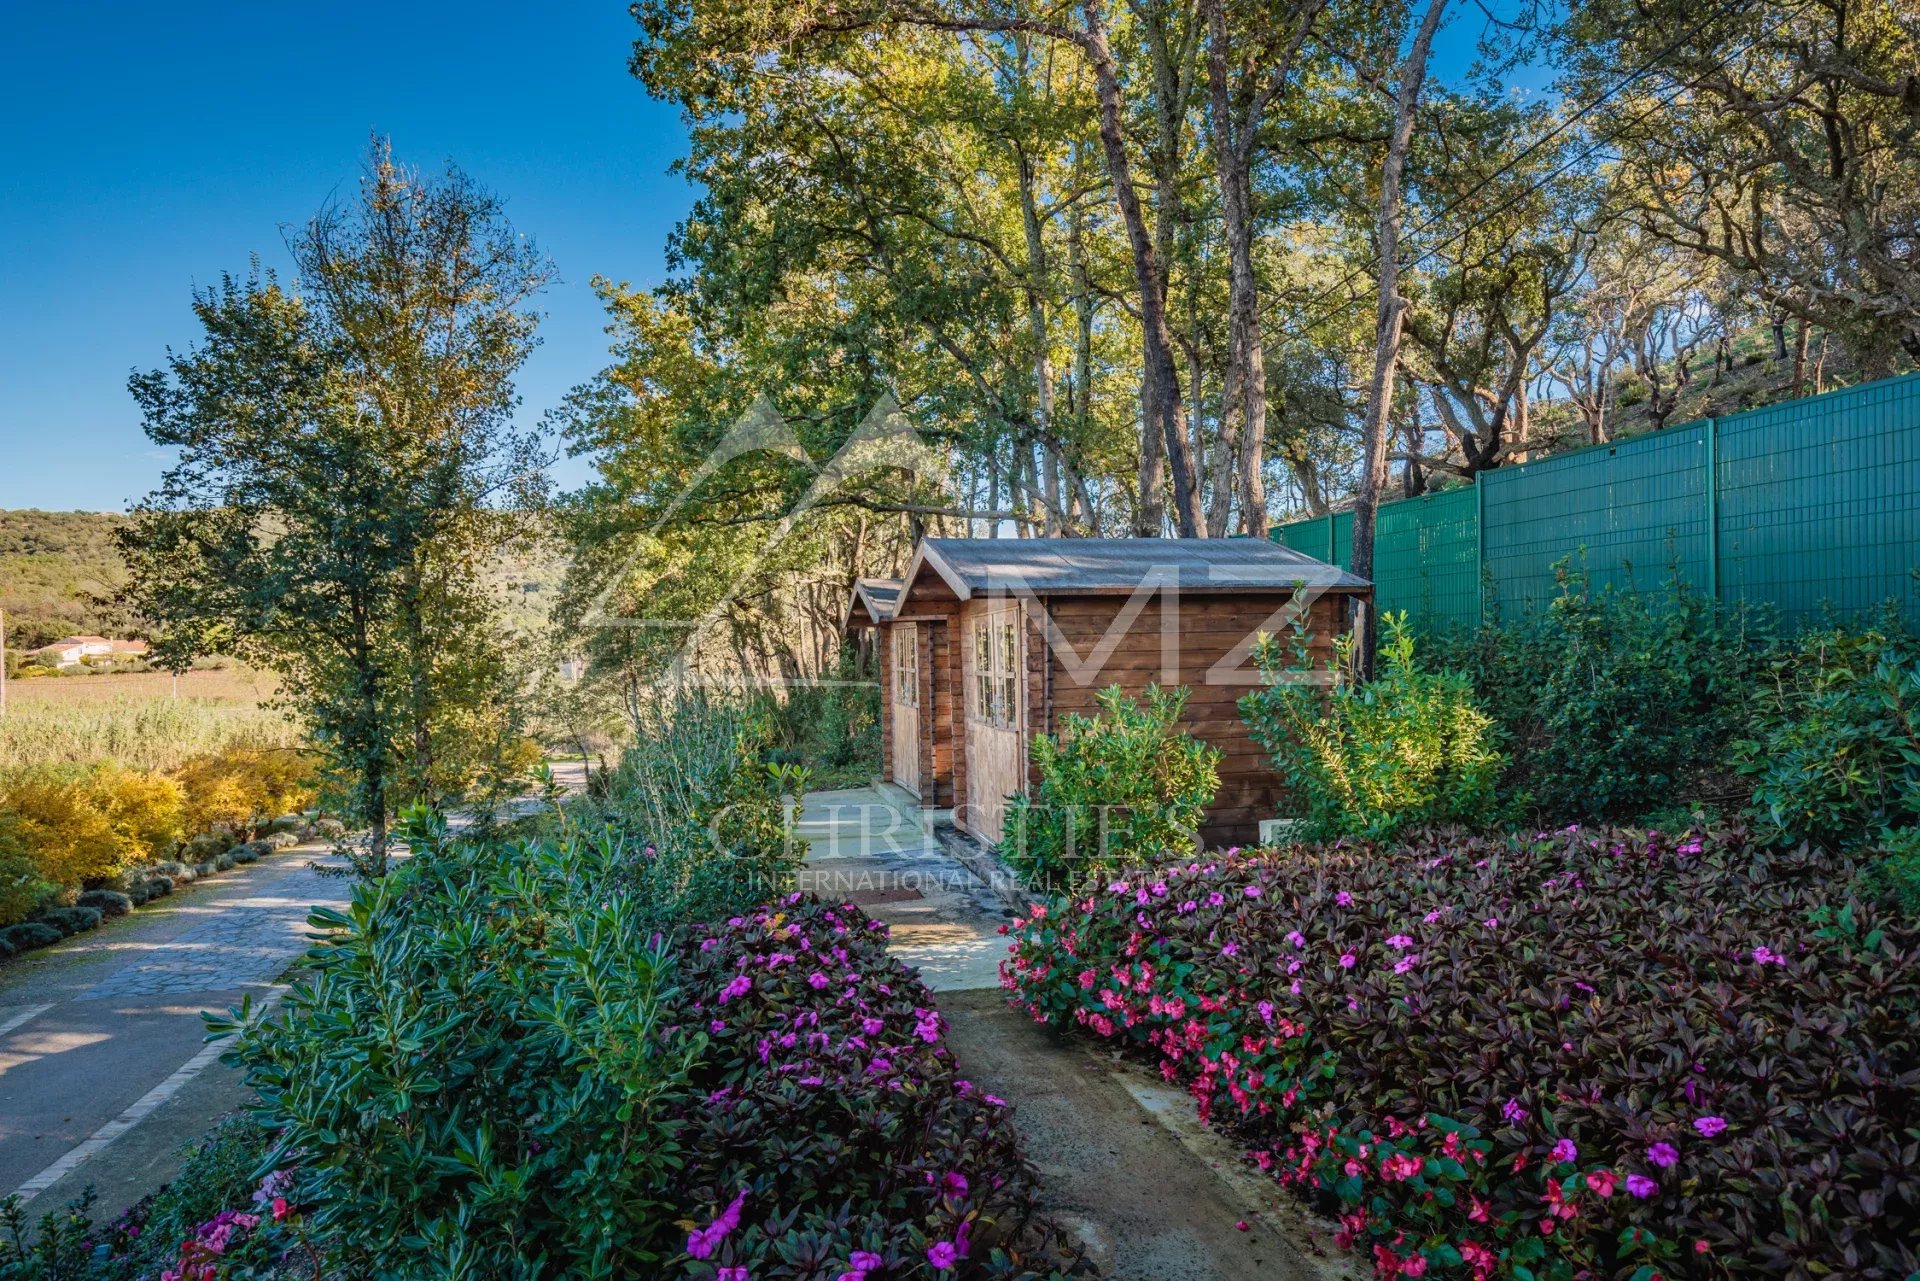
column 943, row 1254
column 1708, row 1126
column 1641, row 1186
column 1296, row 938
column 740, row 986
column 704, row 1241
column 1664, row 1155
column 1565, row 1150
column 280, row 1208
column 1492, row 922
column 1405, row 963
column 1344, row 899
column 1348, row 960
column 1400, row 942
column 1602, row 1181
column 1253, row 891
column 733, row 1274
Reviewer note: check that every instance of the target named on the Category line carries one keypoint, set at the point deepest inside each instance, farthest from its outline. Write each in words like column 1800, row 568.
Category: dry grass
column 241, row 686
column 135, row 720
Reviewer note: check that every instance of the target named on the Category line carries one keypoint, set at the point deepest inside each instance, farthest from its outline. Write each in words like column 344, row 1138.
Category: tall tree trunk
column 1389, row 321
column 1163, row 412
column 1037, row 290
column 1243, row 414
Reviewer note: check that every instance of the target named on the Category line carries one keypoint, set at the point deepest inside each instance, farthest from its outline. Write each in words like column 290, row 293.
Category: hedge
column 1587, row 1053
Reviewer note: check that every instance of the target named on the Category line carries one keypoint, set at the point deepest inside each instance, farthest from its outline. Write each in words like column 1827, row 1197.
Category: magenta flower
column 1708, row 1126
column 734, row 1274
column 1664, row 1155
column 1348, row 960
column 1565, row 1150
column 1400, row 942
column 1253, row 891
column 702, row 1242
column 943, row 1254
column 1344, row 899
column 1513, row 1112
column 1296, row 938
column 1641, row 1186
column 740, row 986
column 1406, row 963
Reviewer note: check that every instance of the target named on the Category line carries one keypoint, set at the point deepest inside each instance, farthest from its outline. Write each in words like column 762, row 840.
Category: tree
column 1390, row 314
column 1782, row 141
column 347, row 462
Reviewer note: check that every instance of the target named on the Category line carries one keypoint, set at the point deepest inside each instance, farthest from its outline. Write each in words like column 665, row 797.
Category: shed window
column 906, row 665
column 996, row 648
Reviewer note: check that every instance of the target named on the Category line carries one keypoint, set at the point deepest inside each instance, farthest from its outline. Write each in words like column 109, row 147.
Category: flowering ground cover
column 1585, row 1054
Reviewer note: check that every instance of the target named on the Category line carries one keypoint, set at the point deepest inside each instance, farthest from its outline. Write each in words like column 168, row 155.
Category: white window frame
column 996, row 684
column 906, row 665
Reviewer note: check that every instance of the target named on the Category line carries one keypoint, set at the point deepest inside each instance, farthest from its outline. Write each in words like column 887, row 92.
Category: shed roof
column 875, row 598
column 1096, row 566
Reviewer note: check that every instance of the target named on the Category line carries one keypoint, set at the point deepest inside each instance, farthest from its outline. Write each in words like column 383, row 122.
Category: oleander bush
column 1605, row 1053
column 1120, row 787
column 1612, row 704
column 1371, row 758
column 1833, row 747
column 495, row 1069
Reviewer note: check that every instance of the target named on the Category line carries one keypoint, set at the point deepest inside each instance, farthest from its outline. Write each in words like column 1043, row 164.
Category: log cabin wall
column 1208, row 628
column 883, row 644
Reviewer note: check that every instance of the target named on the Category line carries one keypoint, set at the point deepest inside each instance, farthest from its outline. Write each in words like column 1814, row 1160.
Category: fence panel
column 1637, row 508
column 1822, row 511
column 1809, row 507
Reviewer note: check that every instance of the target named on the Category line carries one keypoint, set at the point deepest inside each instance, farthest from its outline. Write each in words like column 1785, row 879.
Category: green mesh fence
column 1811, row 507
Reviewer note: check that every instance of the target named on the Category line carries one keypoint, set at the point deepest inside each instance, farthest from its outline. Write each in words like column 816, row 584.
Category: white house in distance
column 72, row 651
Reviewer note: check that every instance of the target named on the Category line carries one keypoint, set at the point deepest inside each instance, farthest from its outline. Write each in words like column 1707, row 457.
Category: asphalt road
column 104, row 1070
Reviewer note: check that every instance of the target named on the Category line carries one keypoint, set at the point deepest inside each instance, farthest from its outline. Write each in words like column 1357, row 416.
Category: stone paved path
column 1152, row 1195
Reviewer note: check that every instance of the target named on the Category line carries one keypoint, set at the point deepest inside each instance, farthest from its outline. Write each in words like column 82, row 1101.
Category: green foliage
column 1897, row 875
column 1408, row 748
column 520, row 1119
column 348, row 468
column 56, row 568
column 1122, row 787
column 1833, row 747
column 24, row 890
column 1611, row 705
column 1569, row 1056
column 696, row 795
column 832, row 727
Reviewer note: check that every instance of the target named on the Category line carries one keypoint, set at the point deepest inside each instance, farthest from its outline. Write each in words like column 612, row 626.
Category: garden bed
column 1587, row 1053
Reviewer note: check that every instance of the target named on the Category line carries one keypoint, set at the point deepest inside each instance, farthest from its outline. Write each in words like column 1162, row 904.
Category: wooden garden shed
column 984, row 643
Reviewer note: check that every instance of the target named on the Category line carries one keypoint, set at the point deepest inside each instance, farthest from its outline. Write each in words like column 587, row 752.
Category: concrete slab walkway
column 1152, row 1195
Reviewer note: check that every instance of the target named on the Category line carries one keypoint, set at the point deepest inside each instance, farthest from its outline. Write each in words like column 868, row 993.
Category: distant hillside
column 53, row 566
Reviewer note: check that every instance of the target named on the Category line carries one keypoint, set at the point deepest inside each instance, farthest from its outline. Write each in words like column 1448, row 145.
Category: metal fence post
column 1712, row 435
column 1480, row 542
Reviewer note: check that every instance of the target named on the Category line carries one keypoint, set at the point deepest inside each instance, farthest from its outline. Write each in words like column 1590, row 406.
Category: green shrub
column 709, row 817
column 28, row 935
column 106, row 902
column 523, row 1121
column 1833, row 748
column 1122, row 787
column 1897, row 875
column 832, row 728
column 72, row 920
column 1612, row 706
column 1409, row 747
column 23, row 890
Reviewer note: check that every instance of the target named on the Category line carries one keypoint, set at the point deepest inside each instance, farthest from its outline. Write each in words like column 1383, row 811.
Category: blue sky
column 151, row 147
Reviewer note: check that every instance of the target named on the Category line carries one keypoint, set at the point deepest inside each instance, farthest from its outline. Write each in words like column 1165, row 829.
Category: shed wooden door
column 906, row 706
column 996, row 717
